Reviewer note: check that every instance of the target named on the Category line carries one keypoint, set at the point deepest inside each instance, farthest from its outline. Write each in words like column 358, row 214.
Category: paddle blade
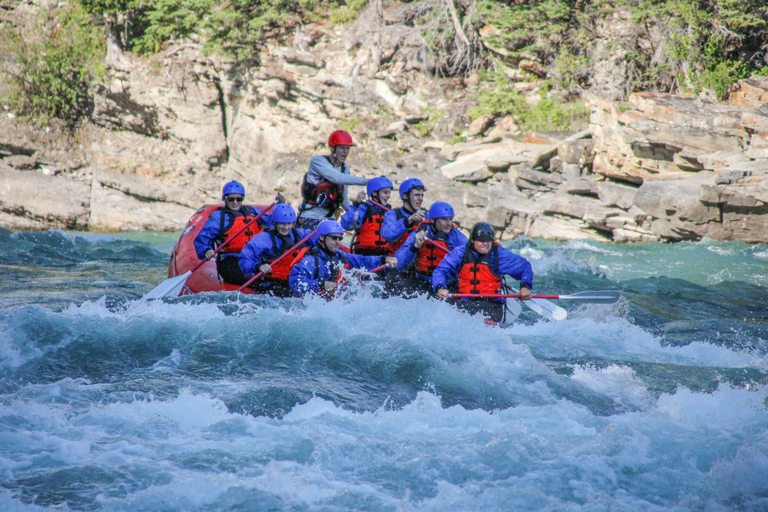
column 169, row 288
column 596, row 297
column 513, row 311
column 547, row 309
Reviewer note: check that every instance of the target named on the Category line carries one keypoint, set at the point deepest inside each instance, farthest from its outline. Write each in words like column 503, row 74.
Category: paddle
column 285, row 254
column 377, row 269
column 174, row 285
column 378, row 205
column 543, row 307
column 597, row 297
column 514, row 309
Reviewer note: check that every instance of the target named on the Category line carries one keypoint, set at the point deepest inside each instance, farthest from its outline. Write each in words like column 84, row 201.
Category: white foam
column 187, row 411
column 516, row 457
column 616, row 338
column 727, row 409
column 618, row 382
column 15, row 350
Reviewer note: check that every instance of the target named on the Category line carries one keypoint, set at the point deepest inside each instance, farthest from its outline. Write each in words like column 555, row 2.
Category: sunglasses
column 238, row 199
column 334, row 237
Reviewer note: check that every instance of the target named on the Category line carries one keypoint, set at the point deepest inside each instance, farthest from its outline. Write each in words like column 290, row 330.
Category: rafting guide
column 324, row 186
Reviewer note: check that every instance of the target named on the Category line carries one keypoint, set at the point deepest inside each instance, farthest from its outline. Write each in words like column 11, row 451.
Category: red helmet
column 340, row 138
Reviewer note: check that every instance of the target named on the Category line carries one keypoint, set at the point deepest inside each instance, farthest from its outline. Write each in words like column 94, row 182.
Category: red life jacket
column 325, row 194
column 429, row 256
column 394, row 246
column 368, row 237
column 235, row 222
column 282, row 269
column 477, row 275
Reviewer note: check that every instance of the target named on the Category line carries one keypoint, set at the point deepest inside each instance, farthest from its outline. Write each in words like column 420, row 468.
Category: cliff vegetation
column 52, row 60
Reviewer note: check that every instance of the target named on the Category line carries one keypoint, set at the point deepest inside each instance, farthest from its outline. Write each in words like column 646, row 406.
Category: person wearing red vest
column 479, row 267
column 324, row 187
column 399, row 223
column 259, row 254
column 424, row 249
column 366, row 219
column 226, row 221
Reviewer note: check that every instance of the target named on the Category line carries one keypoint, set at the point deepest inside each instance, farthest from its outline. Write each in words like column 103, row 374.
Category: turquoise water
column 229, row 402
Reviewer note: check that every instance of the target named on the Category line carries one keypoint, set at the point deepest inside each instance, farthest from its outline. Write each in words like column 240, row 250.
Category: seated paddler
column 479, row 268
column 265, row 253
column 366, row 218
column 423, row 251
column 319, row 271
column 223, row 224
column 398, row 223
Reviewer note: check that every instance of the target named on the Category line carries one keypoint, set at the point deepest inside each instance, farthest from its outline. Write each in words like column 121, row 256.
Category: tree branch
column 456, row 22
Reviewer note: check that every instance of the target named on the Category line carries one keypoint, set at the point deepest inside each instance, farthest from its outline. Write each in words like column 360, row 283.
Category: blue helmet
column 410, row 184
column 233, row 187
column 440, row 209
column 284, row 213
column 329, row 227
column 376, row 184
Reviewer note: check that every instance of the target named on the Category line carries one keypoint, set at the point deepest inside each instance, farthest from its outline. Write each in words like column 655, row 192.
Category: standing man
column 224, row 222
column 424, row 249
column 319, row 271
column 324, row 187
column 400, row 221
column 479, row 267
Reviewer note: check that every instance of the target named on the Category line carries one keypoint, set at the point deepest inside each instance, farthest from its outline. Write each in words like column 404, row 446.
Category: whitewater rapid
column 229, row 402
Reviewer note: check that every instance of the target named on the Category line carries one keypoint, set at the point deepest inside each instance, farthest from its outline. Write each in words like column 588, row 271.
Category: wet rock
column 50, row 201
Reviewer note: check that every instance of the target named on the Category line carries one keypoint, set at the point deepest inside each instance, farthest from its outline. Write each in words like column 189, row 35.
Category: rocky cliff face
column 169, row 131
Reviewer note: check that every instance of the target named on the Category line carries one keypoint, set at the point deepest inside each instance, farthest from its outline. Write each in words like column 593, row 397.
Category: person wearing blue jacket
column 324, row 186
column 224, row 223
column 265, row 253
column 400, row 221
column 423, row 251
column 366, row 219
column 478, row 268
column 319, row 271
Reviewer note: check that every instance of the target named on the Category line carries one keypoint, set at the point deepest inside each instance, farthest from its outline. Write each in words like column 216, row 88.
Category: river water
column 229, row 402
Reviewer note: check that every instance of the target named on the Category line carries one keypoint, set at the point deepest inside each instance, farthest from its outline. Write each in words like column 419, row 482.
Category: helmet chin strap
column 333, row 156
column 321, row 244
column 410, row 204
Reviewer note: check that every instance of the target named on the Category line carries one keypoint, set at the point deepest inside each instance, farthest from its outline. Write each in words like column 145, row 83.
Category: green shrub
column 235, row 28
column 53, row 64
column 712, row 43
column 499, row 98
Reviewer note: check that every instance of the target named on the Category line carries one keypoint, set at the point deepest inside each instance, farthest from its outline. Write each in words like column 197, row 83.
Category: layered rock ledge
column 660, row 168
